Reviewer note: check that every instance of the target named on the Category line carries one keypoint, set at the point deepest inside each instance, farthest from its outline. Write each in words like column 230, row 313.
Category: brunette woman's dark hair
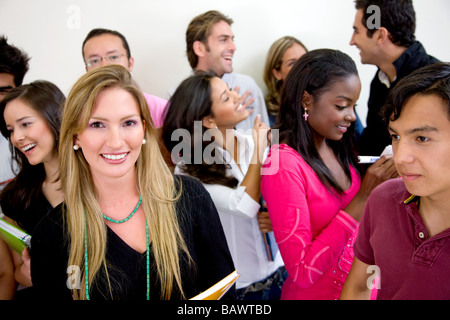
column 188, row 105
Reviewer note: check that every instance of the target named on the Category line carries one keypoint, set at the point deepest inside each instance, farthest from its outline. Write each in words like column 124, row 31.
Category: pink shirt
column 157, row 107
column 314, row 235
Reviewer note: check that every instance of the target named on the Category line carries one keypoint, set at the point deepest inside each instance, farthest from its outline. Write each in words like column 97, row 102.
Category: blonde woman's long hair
column 155, row 182
column 273, row 61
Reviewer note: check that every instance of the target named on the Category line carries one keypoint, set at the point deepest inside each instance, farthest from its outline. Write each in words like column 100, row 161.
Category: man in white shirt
column 210, row 47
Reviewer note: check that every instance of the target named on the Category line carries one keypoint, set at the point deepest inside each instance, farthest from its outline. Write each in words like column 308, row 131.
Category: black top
column 375, row 136
column 203, row 234
column 27, row 219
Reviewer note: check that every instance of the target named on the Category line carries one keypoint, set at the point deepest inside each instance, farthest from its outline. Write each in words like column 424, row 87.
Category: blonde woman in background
column 171, row 246
column 281, row 57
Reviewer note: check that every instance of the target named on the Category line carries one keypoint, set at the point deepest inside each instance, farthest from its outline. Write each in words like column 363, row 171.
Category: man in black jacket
column 384, row 34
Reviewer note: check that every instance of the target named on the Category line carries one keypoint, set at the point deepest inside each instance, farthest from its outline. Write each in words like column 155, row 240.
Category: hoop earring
column 76, row 147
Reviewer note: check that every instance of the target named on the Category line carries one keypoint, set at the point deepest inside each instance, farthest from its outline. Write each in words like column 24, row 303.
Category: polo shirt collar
column 411, row 199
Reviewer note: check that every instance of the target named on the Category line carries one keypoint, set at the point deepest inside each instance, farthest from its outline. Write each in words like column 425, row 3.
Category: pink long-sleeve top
column 157, row 107
column 315, row 236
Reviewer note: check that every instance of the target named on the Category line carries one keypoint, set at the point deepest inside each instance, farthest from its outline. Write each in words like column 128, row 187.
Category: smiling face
column 29, row 132
column 112, row 140
column 366, row 45
column 226, row 108
column 290, row 56
column 333, row 113
column 421, row 146
column 217, row 53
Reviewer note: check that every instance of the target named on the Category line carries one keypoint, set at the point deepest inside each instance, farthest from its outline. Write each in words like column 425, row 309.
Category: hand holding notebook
column 14, row 237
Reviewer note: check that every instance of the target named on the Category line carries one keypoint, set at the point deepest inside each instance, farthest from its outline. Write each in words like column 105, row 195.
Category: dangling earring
column 144, row 141
column 306, row 115
column 76, row 147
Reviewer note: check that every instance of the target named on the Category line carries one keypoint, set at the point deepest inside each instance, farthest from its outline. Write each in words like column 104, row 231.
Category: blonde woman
column 280, row 59
column 128, row 228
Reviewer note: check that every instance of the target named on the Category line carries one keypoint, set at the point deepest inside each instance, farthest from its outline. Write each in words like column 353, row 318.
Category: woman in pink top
column 315, row 196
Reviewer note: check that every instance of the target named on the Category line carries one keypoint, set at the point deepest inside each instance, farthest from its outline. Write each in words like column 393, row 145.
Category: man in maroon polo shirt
column 405, row 230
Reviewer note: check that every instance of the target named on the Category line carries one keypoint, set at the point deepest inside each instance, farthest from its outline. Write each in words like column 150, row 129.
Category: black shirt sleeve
column 49, row 256
column 204, row 237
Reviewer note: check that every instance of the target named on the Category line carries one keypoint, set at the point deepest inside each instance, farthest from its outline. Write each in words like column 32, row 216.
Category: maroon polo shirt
column 392, row 236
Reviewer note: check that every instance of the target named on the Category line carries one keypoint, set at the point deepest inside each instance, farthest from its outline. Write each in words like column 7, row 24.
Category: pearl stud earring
column 76, row 147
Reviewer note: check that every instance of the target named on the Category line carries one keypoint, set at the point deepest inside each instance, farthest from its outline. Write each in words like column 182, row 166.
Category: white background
column 52, row 32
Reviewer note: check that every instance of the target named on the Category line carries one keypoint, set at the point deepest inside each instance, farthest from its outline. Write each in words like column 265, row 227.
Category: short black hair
column 397, row 16
column 433, row 79
column 13, row 61
column 100, row 31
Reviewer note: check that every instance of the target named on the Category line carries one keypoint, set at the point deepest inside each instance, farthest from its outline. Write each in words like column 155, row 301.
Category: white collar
column 384, row 79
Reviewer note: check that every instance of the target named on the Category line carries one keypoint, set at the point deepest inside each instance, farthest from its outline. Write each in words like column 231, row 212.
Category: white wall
column 52, row 32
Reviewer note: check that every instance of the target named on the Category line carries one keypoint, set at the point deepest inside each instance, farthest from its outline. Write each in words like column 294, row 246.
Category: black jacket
column 375, row 136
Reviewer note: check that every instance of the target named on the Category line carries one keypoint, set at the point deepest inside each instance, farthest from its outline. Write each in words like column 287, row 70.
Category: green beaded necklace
column 127, row 218
column 86, row 259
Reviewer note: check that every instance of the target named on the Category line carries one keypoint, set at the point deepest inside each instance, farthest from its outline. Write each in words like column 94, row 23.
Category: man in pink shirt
column 102, row 47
